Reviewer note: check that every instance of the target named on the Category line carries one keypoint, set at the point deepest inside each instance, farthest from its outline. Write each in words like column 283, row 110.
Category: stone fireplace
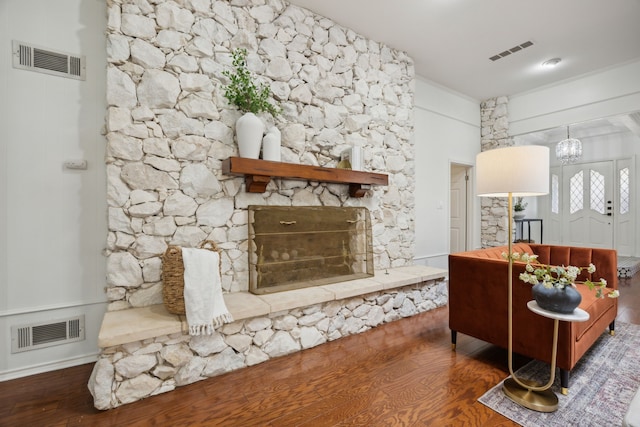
column 169, row 129
column 293, row 247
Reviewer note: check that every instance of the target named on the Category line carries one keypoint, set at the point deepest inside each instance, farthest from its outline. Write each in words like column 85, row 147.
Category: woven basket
column 173, row 277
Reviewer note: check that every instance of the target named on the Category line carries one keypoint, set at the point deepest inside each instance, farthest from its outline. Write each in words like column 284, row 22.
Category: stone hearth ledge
column 137, row 324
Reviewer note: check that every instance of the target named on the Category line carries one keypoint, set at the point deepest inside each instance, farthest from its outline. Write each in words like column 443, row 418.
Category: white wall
column 603, row 94
column 607, row 93
column 53, row 221
column 607, row 147
column 447, row 130
column 53, row 225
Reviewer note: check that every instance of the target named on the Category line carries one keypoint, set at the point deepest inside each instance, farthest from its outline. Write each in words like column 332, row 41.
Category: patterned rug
column 600, row 388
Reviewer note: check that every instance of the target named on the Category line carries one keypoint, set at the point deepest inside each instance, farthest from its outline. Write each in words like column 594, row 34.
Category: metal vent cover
column 35, row 58
column 47, row 334
column 511, row 50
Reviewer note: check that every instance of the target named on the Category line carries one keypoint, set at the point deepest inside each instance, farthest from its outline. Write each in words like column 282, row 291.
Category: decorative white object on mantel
column 271, row 145
column 354, row 155
column 249, row 130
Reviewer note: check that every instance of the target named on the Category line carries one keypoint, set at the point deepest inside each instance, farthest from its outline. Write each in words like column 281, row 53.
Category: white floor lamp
column 516, row 172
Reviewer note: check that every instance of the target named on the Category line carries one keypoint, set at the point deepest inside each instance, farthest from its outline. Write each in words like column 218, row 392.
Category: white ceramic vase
column 271, row 145
column 249, row 130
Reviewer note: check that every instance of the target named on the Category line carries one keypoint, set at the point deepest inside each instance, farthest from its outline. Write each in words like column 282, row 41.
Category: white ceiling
column 451, row 42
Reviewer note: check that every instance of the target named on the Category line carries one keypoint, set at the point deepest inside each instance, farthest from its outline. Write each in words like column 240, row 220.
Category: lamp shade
column 520, row 170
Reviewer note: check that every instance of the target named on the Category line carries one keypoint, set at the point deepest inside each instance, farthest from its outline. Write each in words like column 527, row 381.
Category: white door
column 625, row 211
column 552, row 206
column 458, row 210
column 588, row 205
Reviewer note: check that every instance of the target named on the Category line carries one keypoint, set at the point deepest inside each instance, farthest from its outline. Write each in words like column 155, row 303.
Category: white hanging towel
column 203, row 301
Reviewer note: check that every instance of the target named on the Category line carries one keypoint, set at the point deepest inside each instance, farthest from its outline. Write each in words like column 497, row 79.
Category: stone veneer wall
column 169, row 127
column 494, row 134
column 140, row 369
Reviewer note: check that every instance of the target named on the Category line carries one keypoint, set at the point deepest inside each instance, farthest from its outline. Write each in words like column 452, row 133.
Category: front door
column 588, row 208
column 625, row 210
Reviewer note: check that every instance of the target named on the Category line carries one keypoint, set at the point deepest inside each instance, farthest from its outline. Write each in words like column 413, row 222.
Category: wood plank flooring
column 400, row 374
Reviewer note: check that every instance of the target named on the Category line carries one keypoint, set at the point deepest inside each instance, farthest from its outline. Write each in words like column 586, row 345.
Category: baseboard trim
column 47, row 367
column 435, row 260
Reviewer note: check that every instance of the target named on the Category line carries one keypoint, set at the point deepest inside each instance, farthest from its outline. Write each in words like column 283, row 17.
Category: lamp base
column 541, row 401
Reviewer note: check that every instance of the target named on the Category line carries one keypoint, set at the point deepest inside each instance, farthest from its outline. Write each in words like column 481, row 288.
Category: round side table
column 529, row 393
column 578, row 315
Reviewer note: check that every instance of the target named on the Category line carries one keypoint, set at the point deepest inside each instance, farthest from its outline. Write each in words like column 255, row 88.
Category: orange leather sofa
column 478, row 302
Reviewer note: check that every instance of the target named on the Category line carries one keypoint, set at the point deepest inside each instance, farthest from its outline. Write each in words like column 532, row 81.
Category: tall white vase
column 249, row 130
column 271, row 145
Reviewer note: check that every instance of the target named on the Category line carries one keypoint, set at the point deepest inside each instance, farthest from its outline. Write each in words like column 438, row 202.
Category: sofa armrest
column 478, row 295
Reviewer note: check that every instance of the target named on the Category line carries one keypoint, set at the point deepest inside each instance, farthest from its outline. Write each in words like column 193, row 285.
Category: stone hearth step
column 137, row 324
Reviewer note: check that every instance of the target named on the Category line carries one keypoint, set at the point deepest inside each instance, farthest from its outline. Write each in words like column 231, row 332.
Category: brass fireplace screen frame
column 292, row 247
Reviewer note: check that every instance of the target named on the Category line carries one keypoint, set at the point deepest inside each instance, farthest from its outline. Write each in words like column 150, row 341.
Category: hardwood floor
column 400, row 374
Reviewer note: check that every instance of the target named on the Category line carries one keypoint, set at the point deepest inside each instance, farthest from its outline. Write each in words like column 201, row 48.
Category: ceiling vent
column 42, row 60
column 39, row 335
column 514, row 49
column 635, row 117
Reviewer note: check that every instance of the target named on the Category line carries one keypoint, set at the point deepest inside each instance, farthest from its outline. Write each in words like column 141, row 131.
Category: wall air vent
column 47, row 334
column 512, row 50
column 42, row 60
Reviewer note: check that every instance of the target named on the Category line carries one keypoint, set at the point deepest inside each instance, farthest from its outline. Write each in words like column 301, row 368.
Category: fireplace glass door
column 294, row 247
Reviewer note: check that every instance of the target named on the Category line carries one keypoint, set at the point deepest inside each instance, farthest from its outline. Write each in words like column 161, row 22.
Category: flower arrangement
column 519, row 205
column 243, row 92
column 551, row 276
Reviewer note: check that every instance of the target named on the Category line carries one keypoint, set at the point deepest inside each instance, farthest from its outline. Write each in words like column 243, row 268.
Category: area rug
column 600, row 388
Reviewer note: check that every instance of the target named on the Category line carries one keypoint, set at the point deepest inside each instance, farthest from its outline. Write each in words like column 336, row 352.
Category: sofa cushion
column 596, row 307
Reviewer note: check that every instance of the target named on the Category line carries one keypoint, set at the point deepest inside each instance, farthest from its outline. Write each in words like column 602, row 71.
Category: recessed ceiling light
column 551, row 63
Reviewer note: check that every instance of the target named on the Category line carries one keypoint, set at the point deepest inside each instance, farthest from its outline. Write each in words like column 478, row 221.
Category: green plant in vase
column 252, row 98
column 243, row 91
column 520, row 205
column 518, row 208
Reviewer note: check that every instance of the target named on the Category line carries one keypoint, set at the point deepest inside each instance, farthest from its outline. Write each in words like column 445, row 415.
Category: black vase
column 558, row 300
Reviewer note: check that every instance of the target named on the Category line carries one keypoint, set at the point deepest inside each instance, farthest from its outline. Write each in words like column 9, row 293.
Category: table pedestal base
column 541, row 401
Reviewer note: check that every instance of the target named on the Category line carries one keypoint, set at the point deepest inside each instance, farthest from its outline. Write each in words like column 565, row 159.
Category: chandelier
column 568, row 150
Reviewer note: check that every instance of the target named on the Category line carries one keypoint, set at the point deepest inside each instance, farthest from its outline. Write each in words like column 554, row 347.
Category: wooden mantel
column 258, row 174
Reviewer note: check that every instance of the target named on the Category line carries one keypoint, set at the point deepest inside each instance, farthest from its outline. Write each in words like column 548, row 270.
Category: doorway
column 590, row 205
column 588, row 209
column 460, row 203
